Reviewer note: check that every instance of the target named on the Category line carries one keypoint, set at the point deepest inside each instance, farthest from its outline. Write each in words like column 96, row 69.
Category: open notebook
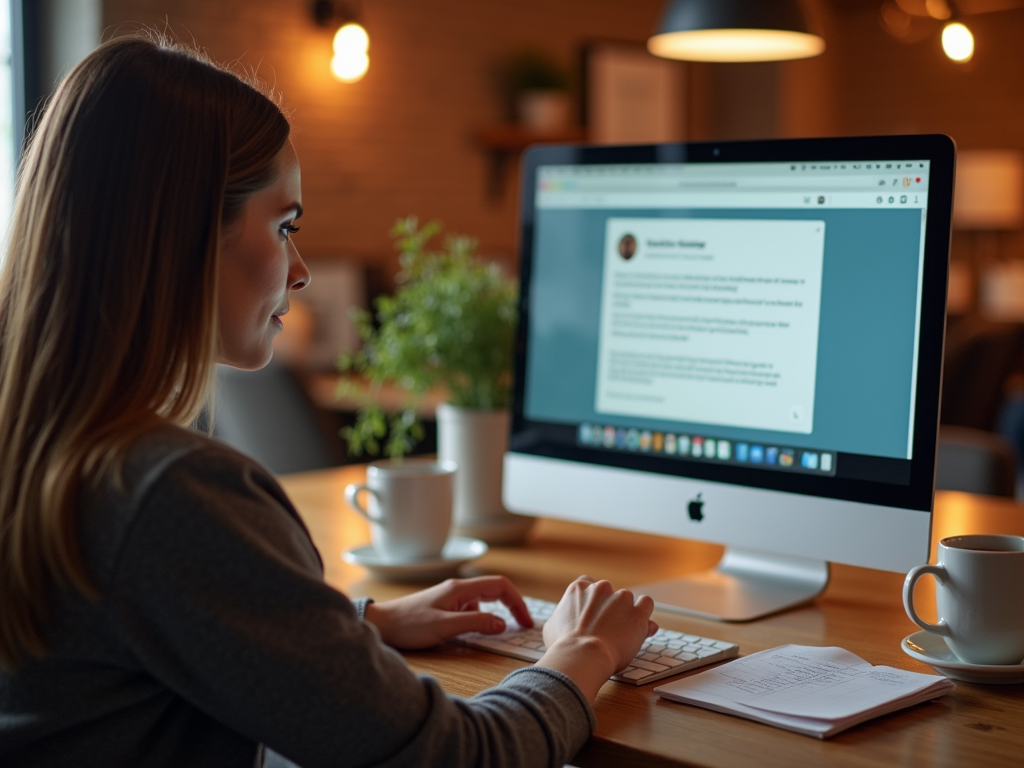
column 810, row 690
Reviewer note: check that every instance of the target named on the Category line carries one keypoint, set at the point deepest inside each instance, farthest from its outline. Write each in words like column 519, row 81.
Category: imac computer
column 740, row 343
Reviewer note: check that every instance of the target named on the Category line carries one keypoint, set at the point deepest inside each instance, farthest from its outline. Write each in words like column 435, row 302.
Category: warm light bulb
column 351, row 37
column 958, row 42
column 351, row 60
column 736, row 45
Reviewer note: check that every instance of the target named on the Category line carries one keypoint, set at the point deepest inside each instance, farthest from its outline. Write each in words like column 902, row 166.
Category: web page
column 750, row 304
column 712, row 321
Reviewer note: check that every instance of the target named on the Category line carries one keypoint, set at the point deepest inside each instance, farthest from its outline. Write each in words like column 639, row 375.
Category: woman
column 162, row 602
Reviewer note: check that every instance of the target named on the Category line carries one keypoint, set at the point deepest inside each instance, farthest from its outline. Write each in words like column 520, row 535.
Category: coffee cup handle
column 352, row 499
column 908, row 597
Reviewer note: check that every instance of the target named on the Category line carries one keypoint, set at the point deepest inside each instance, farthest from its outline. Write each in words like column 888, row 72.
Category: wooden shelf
column 515, row 138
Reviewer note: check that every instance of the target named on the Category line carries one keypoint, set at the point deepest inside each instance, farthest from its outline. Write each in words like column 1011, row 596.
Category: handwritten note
column 818, row 691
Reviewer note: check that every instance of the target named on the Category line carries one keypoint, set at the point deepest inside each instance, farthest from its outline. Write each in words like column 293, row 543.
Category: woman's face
column 259, row 266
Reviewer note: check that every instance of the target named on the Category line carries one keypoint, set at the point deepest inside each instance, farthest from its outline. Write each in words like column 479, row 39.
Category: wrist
column 373, row 614
column 586, row 660
column 589, row 648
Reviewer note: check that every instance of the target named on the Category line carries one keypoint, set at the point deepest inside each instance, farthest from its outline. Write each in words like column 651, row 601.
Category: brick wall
column 401, row 140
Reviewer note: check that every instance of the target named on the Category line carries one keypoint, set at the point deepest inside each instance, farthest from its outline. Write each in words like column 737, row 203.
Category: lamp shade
column 989, row 189
column 735, row 30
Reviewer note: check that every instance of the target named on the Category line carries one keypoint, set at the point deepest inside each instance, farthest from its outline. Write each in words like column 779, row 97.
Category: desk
column 861, row 611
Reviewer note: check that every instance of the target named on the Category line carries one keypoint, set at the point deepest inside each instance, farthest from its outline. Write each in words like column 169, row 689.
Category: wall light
column 351, row 42
column 958, row 42
column 735, row 30
column 351, row 58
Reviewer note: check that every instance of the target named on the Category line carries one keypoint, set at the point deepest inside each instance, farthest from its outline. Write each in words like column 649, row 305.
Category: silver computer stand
column 745, row 585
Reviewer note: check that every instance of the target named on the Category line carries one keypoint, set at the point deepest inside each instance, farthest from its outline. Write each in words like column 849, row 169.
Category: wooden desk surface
column 861, row 611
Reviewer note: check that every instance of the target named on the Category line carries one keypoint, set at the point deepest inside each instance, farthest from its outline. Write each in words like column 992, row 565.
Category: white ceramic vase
column 544, row 111
column 476, row 441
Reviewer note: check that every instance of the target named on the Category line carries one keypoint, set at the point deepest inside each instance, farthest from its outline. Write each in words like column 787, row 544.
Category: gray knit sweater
column 215, row 634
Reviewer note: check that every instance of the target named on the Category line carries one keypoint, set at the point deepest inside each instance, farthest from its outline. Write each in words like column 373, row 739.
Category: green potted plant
column 537, row 88
column 450, row 325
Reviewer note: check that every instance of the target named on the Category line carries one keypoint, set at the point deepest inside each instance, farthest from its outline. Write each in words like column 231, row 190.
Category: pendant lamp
column 735, row 30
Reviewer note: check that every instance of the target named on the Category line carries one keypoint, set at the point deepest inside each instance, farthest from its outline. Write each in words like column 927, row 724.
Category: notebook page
column 804, row 681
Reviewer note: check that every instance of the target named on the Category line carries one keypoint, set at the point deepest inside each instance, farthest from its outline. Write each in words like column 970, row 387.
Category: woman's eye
column 288, row 230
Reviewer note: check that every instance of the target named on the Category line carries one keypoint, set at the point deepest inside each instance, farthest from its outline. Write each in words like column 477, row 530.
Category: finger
column 578, row 585
column 488, row 588
column 646, row 604
column 652, row 627
column 456, row 623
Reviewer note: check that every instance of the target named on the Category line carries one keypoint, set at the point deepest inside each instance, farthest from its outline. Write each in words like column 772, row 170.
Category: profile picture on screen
column 627, row 247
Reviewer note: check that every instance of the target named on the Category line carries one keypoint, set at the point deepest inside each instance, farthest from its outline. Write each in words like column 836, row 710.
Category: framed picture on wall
column 631, row 96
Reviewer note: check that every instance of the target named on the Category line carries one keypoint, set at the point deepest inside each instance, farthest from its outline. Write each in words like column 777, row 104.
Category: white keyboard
column 664, row 653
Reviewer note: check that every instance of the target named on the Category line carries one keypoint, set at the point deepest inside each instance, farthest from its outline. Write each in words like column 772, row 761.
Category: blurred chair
column 975, row 461
column 979, row 358
column 268, row 415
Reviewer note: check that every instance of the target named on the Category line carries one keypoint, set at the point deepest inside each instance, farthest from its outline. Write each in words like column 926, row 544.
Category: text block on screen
column 713, row 321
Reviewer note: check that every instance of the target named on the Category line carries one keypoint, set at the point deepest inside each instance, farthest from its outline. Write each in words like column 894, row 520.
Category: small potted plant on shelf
column 538, row 90
column 449, row 326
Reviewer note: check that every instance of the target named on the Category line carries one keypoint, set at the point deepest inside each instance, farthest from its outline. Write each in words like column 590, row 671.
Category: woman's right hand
column 595, row 631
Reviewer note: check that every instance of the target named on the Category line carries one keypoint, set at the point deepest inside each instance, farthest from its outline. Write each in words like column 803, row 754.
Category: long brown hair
column 108, row 293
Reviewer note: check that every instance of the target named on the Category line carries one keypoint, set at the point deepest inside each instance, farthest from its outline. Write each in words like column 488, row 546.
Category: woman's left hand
column 427, row 618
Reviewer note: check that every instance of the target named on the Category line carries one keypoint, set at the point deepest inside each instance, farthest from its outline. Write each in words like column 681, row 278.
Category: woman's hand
column 595, row 631
column 427, row 618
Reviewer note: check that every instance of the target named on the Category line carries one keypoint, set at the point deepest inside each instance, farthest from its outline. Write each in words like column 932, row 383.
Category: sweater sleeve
column 218, row 593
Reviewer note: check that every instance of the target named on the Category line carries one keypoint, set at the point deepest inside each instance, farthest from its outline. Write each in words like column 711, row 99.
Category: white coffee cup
column 978, row 595
column 410, row 507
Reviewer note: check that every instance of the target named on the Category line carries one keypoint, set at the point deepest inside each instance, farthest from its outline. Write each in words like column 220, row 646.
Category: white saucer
column 458, row 551
column 499, row 532
column 933, row 651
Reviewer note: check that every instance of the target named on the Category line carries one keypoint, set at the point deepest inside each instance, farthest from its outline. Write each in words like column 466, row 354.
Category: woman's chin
column 250, row 359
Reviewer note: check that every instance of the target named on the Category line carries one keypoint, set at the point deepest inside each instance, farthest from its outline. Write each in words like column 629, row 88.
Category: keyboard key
column 644, row 664
column 669, row 661
column 635, row 674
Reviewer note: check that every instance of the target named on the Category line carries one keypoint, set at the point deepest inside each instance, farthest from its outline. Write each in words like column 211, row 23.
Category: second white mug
column 978, row 596
column 409, row 507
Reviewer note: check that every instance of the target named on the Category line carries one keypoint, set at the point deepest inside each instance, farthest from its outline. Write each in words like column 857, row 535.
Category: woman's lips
column 276, row 317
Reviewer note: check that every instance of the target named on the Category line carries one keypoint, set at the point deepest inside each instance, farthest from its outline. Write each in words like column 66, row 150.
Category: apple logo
column 696, row 508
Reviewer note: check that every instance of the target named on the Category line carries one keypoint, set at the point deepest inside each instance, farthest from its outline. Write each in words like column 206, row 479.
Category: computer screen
column 736, row 342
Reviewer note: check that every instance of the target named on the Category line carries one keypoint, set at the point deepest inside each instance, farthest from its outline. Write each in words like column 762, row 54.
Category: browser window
column 757, row 313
